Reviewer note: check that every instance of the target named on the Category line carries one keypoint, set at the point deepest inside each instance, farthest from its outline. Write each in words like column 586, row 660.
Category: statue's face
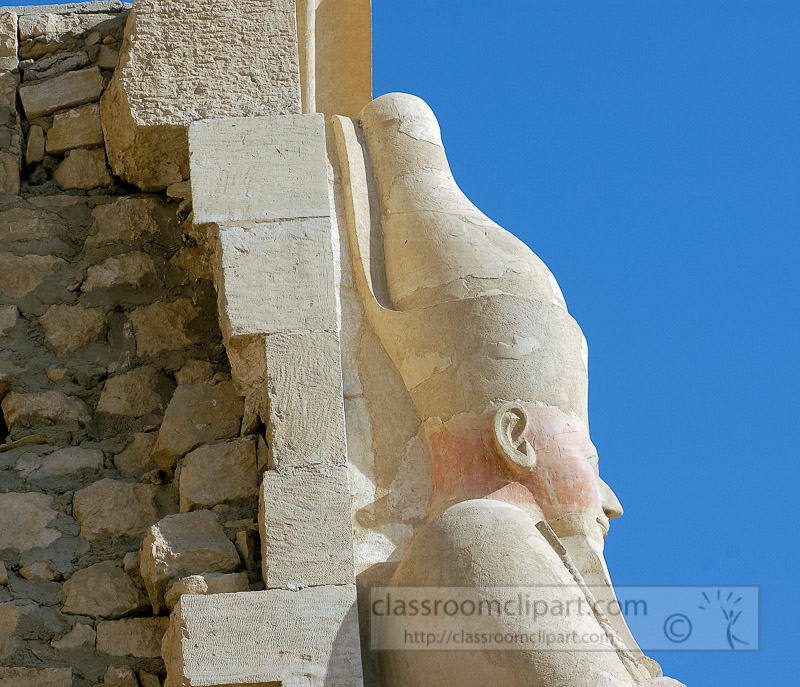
column 565, row 480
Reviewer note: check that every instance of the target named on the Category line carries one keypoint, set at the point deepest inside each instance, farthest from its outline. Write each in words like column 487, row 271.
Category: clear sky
column 649, row 152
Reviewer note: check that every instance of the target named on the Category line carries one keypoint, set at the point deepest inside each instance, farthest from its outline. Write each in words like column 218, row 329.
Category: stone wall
column 121, row 434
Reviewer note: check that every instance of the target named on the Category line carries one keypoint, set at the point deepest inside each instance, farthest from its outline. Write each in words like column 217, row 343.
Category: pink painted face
column 566, row 478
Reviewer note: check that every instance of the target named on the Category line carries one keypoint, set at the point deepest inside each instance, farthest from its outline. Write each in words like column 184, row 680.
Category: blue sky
column 649, row 152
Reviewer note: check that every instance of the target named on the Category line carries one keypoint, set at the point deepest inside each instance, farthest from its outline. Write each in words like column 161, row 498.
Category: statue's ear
column 510, row 423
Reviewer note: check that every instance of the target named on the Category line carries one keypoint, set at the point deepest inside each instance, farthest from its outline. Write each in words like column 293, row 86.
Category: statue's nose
column 611, row 505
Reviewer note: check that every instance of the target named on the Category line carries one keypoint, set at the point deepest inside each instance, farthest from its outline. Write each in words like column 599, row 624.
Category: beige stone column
column 262, row 183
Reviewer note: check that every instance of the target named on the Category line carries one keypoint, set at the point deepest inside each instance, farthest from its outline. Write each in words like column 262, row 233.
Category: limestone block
column 291, row 261
column 149, row 679
column 120, row 676
column 305, row 406
column 197, row 414
column 8, row 91
column 83, row 169
column 136, row 459
column 128, row 221
column 195, row 372
column 132, row 394
column 55, row 64
column 66, row 90
column 39, row 571
column 9, row 315
column 66, row 461
column 3, row 574
column 81, row 636
column 70, row 327
column 218, row 473
column 306, row 638
column 75, row 128
column 34, row 151
column 36, row 677
column 23, row 274
column 44, row 408
column 207, row 583
column 306, row 528
column 107, row 58
column 287, row 178
column 244, row 68
column 132, row 269
column 181, row 545
column 138, row 637
column 115, row 509
column 9, row 173
column 26, row 224
column 162, row 326
column 102, row 590
column 8, row 34
column 31, row 514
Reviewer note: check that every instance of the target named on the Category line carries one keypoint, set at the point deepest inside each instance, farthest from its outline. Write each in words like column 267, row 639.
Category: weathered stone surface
column 293, row 262
column 36, row 677
column 107, row 58
column 304, row 409
column 34, row 152
column 120, row 676
column 251, row 69
column 9, row 173
column 128, row 221
column 8, row 318
column 218, row 473
column 287, row 179
column 65, row 461
column 82, row 635
column 31, row 514
column 306, row 529
column 115, row 509
column 20, row 225
column 136, row 459
column 102, row 590
column 3, row 574
column 138, row 637
column 313, row 632
column 193, row 372
column 132, row 269
column 39, row 571
column 83, row 169
column 70, row 327
column 60, row 21
column 75, row 128
column 8, row 34
column 197, row 414
column 132, row 394
column 67, row 90
column 44, row 408
column 181, row 545
column 23, row 274
column 207, row 583
column 56, row 64
column 162, row 326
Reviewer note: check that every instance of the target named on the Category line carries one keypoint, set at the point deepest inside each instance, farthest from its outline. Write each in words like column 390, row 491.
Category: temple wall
column 117, row 404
